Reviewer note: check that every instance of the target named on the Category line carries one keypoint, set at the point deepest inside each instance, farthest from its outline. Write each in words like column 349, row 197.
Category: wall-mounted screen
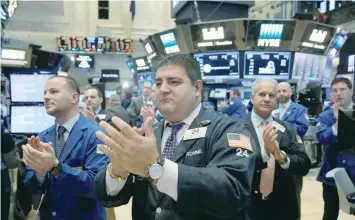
column 270, row 34
column 169, row 42
column 28, row 87
column 308, row 66
column 218, row 93
column 30, row 119
column 150, row 49
column 351, row 64
column 108, row 75
column 139, row 64
column 219, row 36
column 84, row 61
column 275, row 65
column 221, row 65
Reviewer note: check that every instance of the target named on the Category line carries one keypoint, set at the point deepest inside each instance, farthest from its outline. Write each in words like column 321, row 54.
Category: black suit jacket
column 213, row 181
column 281, row 204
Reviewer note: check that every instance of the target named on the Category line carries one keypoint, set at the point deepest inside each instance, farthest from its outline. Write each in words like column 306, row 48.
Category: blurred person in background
column 140, row 101
column 126, row 99
column 116, row 109
column 236, row 108
column 327, row 132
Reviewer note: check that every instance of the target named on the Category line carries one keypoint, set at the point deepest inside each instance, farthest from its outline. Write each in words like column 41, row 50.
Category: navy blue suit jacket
column 70, row 195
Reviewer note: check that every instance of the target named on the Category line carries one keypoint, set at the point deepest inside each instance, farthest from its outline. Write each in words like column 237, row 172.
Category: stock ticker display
column 106, row 45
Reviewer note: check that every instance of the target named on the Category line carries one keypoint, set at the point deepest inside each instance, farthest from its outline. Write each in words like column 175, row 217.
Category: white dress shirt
column 68, row 127
column 283, row 108
column 168, row 183
column 334, row 129
column 259, row 125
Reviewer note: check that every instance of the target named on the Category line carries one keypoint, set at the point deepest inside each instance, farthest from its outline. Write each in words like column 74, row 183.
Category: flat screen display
column 219, row 36
column 150, row 49
column 84, row 61
column 308, row 66
column 316, row 38
column 142, row 78
column 221, row 65
column 108, row 75
column 275, row 65
column 169, row 43
column 220, row 93
column 30, row 119
column 351, row 63
column 270, row 34
column 28, row 87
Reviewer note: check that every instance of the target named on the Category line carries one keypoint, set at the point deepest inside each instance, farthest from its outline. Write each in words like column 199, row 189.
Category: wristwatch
column 156, row 171
column 56, row 169
column 283, row 161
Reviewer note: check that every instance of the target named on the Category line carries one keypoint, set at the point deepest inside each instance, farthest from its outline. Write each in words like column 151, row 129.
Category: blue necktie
column 171, row 142
column 60, row 142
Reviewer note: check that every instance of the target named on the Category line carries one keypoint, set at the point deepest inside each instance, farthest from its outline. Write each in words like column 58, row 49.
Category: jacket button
column 54, row 213
column 256, row 192
column 158, row 210
column 258, row 171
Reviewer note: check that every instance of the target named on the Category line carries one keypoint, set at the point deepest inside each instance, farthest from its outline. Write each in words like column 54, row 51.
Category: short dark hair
column 236, row 92
column 99, row 93
column 72, row 84
column 343, row 80
column 190, row 65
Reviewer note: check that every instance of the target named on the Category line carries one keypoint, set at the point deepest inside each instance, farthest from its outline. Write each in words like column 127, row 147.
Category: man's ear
column 198, row 86
column 75, row 97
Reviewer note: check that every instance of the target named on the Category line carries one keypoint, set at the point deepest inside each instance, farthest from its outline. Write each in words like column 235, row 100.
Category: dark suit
column 212, row 184
column 70, row 195
column 118, row 111
column 281, row 203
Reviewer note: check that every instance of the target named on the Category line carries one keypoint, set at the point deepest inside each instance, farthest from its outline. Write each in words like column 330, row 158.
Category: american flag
column 236, row 140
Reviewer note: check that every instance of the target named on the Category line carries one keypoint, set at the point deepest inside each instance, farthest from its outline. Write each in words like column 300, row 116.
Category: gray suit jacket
column 118, row 111
column 135, row 106
column 214, row 180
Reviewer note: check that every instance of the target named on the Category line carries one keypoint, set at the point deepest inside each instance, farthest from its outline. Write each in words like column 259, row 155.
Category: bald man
column 289, row 111
column 297, row 116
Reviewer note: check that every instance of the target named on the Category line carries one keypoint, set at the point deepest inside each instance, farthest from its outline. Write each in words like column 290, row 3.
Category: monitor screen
column 30, row 119
column 28, row 87
column 169, row 43
column 142, row 78
column 219, row 36
column 84, row 61
column 267, row 64
column 351, row 63
column 308, row 66
column 108, row 75
column 316, row 38
column 150, row 48
column 270, row 34
column 222, row 65
column 220, row 93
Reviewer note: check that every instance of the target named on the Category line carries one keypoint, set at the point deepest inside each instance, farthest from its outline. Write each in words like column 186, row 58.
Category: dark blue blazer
column 70, row 195
column 296, row 115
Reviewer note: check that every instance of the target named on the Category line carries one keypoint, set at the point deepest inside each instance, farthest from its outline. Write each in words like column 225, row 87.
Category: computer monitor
column 30, row 119
column 28, row 87
column 346, row 123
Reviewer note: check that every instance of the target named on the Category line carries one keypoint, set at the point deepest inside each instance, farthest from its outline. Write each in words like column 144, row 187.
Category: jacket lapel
column 75, row 135
column 184, row 146
column 50, row 135
column 158, row 130
column 288, row 112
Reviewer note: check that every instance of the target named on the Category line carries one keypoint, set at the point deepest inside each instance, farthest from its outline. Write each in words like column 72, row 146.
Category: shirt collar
column 98, row 110
column 70, row 123
column 188, row 121
column 287, row 104
column 350, row 106
column 257, row 120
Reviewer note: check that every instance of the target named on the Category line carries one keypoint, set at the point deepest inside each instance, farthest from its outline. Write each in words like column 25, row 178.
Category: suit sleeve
column 300, row 163
column 82, row 181
column 301, row 123
column 324, row 131
column 132, row 108
column 222, row 188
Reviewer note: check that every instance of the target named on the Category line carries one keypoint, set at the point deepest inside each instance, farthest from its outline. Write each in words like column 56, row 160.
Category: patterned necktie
column 171, row 142
column 60, row 142
column 267, row 175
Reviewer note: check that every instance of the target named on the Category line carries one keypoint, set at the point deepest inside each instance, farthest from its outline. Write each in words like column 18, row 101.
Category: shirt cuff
column 41, row 178
column 168, row 183
column 335, row 131
column 265, row 157
column 113, row 187
column 286, row 165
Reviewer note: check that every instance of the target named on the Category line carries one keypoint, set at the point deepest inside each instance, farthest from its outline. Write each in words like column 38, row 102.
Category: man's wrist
column 280, row 156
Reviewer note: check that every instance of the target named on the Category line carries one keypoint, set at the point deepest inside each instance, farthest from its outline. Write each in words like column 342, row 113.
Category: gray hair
column 258, row 81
